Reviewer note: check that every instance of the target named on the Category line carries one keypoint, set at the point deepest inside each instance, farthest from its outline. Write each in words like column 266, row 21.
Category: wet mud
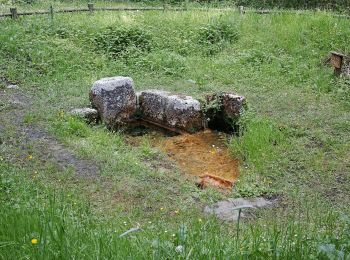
column 203, row 154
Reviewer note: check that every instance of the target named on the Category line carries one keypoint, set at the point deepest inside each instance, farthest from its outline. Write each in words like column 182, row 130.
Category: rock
column 12, row 86
column 174, row 111
column 232, row 104
column 115, row 100
column 222, row 111
column 224, row 210
column 89, row 114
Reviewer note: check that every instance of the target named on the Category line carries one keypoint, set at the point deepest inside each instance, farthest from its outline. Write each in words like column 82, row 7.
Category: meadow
column 293, row 145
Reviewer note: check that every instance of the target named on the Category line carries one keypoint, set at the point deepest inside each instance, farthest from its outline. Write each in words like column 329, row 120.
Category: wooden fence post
column 91, row 7
column 241, row 9
column 13, row 11
column 51, row 12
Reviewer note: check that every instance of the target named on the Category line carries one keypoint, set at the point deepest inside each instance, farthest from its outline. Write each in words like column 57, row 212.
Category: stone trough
column 118, row 105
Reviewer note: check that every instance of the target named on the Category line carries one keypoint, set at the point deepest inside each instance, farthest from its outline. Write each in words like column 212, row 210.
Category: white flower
column 179, row 249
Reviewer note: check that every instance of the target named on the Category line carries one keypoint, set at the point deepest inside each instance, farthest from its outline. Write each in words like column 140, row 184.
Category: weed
column 117, row 41
column 217, row 33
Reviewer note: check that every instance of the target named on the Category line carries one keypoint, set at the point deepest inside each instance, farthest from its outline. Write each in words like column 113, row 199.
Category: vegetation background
column 294, row 143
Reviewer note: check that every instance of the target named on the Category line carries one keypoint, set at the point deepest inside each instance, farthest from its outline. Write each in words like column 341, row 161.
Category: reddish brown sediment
column 205, row 155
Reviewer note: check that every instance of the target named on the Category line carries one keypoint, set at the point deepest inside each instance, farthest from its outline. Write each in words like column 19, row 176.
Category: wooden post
column 13, row 11
column 91, row 7
column 337, row 62
column 51, row 12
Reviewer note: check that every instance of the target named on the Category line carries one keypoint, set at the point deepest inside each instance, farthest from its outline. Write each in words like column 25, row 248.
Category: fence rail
column 14, row 14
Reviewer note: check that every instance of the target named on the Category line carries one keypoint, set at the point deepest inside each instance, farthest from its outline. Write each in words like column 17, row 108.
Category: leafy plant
column 218, row 32
column 116, row 41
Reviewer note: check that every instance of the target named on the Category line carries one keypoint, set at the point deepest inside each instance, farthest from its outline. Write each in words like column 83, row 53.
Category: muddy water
column 203, row 154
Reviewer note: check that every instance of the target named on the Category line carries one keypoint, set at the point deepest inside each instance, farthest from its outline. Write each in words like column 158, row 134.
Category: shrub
column 217, row 33
column 116, row 41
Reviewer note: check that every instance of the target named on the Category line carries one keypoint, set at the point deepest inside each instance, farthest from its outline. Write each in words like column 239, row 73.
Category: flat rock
column 175, row 111
column 89, row 114
column 12, row 86
column 224, row 209
column 115, row 100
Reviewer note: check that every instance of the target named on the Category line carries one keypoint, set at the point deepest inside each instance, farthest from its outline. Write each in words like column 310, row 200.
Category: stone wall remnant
column 115, row 100
column 177, row 111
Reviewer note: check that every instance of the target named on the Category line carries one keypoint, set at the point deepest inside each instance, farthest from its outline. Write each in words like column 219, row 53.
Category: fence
column 14, row 14
column 90, row 8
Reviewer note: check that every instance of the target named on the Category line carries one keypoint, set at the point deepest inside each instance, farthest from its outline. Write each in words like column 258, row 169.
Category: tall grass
column 257, row 140
column 65, row 228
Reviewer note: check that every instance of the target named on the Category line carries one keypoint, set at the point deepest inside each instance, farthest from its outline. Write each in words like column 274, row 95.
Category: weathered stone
column 11, row 86
column 232, row 104
column 225, row 210
column 115, row 100
column 89, row 114
column 176, row 111
column 222, row 110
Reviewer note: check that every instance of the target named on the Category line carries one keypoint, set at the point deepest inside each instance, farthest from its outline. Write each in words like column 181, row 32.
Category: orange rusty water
column 203, row 154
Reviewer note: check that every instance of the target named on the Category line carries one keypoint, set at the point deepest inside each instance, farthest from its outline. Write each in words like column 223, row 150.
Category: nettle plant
column 217, row 33
column 118, row 42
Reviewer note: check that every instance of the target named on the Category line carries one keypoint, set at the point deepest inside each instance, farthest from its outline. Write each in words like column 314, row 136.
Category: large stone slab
column 115, row 100
column 225, row 210
column 175, row 111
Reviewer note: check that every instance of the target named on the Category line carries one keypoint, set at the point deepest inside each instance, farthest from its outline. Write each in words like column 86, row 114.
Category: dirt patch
column 47, row 146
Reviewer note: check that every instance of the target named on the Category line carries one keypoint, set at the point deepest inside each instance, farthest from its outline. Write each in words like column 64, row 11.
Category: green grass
column 295, row 141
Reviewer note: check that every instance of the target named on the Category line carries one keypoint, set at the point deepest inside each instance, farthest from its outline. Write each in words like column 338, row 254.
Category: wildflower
column 161, row 209
column 34, row 241
column 173, row 235
column 176, row 212
column 61, row 114
column 200, row 220
column 179, row 249
column 149, row 222
column 30, row 157
column 166, row 231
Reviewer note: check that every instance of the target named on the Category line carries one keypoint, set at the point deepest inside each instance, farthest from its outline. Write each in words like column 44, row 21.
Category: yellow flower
column 200, row 220
column 61, row 114
column 161, row 209
column 34, row 241
column 30, row 157
column 176, row 211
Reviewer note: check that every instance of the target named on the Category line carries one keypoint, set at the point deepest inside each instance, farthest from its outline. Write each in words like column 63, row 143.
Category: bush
column 116, row 41
column 217, row 33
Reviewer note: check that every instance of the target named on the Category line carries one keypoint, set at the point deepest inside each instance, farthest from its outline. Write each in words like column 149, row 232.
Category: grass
column 295, row 143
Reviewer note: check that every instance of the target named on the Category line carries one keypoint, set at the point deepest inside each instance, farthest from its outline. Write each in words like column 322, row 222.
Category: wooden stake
column 13, row 11
column 91, row 7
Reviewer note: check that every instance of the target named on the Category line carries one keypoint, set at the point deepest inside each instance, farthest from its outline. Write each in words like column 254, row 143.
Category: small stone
column 12, row 87
column 115, row 100
column 176, row 111
column 89, row 114
column 224, row 209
